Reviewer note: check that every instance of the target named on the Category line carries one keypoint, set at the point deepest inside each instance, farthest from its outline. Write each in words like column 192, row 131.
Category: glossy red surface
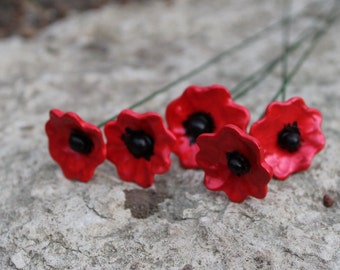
column 211, row 157
column 214, row 100
column 139, row 170
column 75, row 165
column 266, row 130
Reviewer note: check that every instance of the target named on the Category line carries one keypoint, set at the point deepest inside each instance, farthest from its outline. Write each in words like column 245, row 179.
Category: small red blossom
column 77, row 146
column 201, row 110
column 139, row 145
column 290, row 135
column 234, row 163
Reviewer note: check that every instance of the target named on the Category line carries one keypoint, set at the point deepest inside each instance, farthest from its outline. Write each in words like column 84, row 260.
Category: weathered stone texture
column 99, row 63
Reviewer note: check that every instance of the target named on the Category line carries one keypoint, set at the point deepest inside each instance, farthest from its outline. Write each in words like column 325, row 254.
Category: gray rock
column 101, row 62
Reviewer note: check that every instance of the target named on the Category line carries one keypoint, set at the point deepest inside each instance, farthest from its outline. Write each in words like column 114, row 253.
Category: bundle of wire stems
column 310, row 35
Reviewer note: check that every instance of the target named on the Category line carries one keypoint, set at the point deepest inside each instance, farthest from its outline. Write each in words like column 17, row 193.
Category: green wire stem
column 285, row 45
column 257, row 77
column 261, row 73
column 330, row 21
column 210, row 62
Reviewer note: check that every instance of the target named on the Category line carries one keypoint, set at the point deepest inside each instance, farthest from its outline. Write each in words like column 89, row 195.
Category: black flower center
column 139, row 143
column 238, row 163
column 289, row 138
column 80, row 142
column 198, row 123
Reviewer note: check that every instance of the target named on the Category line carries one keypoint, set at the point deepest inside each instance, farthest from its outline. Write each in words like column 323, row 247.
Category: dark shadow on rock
column 143, row 203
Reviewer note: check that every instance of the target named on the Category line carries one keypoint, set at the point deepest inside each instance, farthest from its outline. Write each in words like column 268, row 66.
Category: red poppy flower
column 77, row 146
column 233, row 162
column 139, row 145
column 290, row 134
column 201, row 110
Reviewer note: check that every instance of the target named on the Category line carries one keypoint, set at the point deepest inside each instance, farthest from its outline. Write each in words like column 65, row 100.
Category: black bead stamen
column 139, row 143
column 289, row 138
column 80, row 142
column 238, row 163
column 198, row 123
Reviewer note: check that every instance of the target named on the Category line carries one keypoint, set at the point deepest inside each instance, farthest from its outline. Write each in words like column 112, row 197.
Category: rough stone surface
column 102, row 61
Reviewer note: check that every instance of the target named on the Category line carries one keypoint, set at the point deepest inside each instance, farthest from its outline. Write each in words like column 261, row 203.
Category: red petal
column 212, row 157
column 75, row 165
column 130, row 168
column 214, row 100
column 279, row 114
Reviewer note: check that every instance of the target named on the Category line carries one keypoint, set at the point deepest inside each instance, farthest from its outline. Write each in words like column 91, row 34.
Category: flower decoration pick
column 77, row 146
column 234, row 163
column 139, row 145
column 201, row 110
column 206, row 129
column 290, row 135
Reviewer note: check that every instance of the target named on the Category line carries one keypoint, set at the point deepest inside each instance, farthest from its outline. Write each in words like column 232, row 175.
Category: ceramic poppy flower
column 234, row 163
column 201, row 110
column 290, row 134
column 77, row 146
column 139, row 145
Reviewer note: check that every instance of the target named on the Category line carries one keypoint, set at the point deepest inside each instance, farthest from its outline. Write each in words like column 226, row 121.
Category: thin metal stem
column 285, row 45
column 306, row 54
column 208, row 63
column 257, row 77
